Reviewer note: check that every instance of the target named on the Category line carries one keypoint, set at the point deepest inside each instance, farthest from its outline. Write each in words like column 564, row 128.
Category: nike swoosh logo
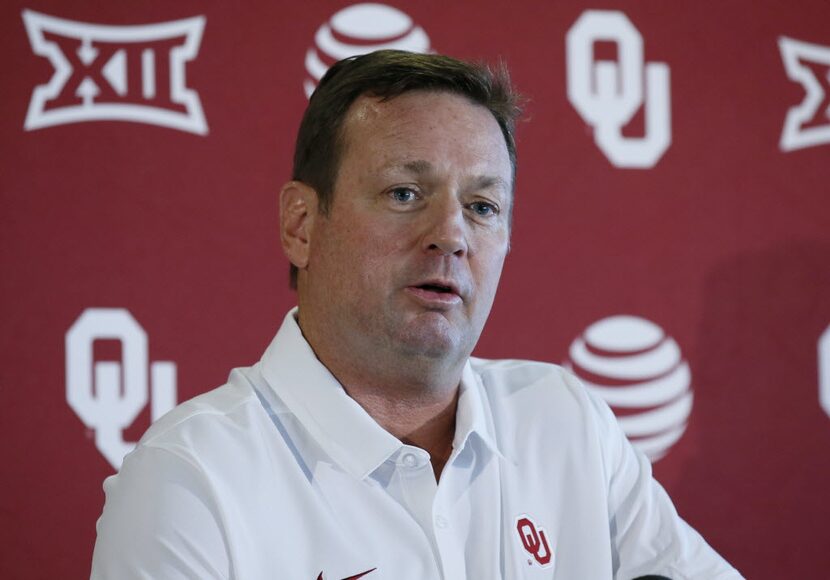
column 355, row 577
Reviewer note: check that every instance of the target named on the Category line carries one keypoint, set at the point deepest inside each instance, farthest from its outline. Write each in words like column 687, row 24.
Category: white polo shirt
column 280, row 474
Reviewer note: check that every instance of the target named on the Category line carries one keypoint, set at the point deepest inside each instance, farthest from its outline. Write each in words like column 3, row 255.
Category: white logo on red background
column 360, row 29
column 807, row 124
column 824, row 370
column 115, row 73
column 607, row 94
column 535, row 541
column 109, row 395
column 639, row 371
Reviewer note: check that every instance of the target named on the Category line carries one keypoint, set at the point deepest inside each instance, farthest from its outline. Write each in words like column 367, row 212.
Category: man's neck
column 413, row 396
column 428, row 424
column 416, row 404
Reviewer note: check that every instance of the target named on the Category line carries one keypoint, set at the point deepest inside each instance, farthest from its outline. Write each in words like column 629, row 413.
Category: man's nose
column 446, row 230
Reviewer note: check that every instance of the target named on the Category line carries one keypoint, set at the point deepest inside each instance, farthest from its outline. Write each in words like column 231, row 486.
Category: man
column 367, row 442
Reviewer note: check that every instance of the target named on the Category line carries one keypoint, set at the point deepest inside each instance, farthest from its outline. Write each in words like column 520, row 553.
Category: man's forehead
column 376, row 118
column 370, row 109
column 378, row 126
column 365, row 108
column 376, row 113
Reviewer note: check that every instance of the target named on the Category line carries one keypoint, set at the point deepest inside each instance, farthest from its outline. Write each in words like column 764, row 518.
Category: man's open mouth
column 437, row 288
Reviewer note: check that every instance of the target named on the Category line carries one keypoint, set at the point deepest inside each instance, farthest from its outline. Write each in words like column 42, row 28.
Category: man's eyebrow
column 421, row 167
column 488, row 181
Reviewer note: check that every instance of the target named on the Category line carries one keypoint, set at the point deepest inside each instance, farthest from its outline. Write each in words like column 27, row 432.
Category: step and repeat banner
column 671, row 240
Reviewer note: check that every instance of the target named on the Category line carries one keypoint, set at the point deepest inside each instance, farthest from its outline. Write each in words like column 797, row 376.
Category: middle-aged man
column 367, row 442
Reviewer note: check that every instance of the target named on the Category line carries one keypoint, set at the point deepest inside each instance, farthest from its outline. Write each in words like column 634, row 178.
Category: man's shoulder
column 223, row 412
column 535, row 390
column 510, row 375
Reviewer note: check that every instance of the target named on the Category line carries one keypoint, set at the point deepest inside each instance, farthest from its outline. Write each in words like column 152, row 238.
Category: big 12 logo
column 807, row 124
column 115, row 73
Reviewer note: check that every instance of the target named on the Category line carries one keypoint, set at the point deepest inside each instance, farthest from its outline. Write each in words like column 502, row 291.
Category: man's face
column 408, row 259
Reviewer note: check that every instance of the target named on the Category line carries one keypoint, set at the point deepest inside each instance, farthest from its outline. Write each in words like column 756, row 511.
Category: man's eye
column 403, row 194
column 484, row 209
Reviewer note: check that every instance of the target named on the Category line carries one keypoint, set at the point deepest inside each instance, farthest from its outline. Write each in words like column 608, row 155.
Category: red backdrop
column 711, row 224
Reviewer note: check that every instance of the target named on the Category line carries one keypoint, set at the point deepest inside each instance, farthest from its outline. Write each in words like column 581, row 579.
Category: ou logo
column 607, row 94
column 109, row 395
column 534, row 541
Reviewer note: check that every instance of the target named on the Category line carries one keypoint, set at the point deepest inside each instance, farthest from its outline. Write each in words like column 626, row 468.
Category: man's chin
column 431, row 335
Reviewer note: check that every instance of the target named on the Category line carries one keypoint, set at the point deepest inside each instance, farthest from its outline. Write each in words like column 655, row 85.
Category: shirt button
column 441, row 522
column 409, row 460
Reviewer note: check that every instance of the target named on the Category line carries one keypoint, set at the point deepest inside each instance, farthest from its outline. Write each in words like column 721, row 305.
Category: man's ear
column 298, row 210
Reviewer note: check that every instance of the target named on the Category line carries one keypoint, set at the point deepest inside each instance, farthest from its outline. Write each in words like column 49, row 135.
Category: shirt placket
column 448, row 533
column 418, row 487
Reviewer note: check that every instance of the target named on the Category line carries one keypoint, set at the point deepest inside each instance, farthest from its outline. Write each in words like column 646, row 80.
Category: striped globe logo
column 640, row 372
column 359, row 29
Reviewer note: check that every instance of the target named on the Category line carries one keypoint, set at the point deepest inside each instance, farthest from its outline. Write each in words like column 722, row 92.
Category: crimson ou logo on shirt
column 641, row 374
column 534, row 540
column 360, row 29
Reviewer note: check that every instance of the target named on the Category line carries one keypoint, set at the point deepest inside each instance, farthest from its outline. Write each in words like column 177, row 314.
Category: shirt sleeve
column 159, row 522
column 648, row 536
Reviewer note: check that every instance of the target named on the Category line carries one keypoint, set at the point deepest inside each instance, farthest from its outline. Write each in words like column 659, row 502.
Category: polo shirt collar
column 473, row 415
column 339, row 425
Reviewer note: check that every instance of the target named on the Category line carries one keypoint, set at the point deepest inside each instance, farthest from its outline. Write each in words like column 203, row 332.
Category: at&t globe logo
column 360, row 29
column 641, row 374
